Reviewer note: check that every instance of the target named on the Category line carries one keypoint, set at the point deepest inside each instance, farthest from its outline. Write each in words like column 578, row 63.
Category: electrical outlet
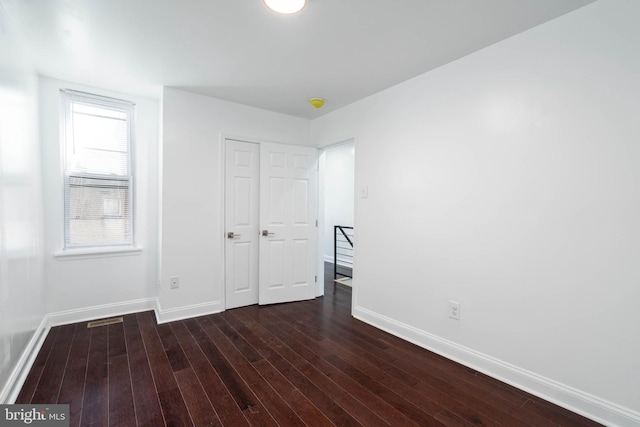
column 174, row 282
column 454, row 309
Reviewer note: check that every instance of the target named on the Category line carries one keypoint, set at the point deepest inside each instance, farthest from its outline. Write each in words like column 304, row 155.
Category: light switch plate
column 364, row 191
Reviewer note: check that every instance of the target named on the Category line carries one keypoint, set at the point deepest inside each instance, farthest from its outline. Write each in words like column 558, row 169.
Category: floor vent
column 104, row 322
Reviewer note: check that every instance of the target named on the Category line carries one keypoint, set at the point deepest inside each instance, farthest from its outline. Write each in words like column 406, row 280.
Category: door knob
column 266, row 233
column 231, row 235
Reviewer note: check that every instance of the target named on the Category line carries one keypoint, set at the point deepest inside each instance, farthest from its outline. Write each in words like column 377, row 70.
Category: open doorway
column 337, row 195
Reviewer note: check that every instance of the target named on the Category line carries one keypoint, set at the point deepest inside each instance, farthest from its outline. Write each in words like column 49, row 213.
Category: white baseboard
column 101, row 311
column 195, row 310
column 590, row 406
column 16, row 380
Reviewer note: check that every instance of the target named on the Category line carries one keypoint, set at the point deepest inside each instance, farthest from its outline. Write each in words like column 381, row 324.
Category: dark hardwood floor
column 299, row 364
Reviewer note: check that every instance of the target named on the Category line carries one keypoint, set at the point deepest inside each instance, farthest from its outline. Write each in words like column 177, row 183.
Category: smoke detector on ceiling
column 317, row 102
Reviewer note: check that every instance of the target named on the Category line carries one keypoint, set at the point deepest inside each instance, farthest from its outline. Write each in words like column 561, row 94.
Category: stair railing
column 342, row 252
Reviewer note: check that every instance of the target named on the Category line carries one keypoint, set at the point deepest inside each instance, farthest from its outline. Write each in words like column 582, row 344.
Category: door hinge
column 316, row 223
column 316, row 279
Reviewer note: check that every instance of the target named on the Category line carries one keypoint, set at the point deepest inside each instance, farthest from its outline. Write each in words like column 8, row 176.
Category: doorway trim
column 323, row 148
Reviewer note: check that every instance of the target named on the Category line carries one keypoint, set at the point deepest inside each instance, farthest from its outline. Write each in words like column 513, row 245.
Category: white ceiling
column 238, row 50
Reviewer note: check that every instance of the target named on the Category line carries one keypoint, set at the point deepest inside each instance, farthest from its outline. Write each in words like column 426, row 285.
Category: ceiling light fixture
column 285, row 7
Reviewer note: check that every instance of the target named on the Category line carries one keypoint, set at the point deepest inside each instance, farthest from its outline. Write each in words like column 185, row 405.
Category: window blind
column 98, row 177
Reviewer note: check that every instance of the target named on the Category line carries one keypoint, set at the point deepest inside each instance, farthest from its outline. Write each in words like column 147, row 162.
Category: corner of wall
column 101, row 311
column 186, row 312
column 16, row 379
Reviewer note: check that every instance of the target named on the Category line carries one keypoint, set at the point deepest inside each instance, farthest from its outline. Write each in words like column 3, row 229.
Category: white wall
column 192, row 219
column 508, row 181
column 21, row 267
column 103, row 285
column 338, row 192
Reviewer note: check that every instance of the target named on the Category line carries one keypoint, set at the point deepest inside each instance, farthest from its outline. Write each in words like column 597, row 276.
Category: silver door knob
column 266, row 233
column 232, row 235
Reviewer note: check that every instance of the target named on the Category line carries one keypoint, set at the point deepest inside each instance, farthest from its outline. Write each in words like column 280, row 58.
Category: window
column 98, row 178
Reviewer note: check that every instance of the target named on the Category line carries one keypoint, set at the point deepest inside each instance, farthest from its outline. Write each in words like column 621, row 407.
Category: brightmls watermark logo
column 34, row 415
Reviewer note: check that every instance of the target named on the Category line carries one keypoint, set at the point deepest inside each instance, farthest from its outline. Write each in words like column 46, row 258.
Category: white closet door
column 242, row 203
column 288, row 212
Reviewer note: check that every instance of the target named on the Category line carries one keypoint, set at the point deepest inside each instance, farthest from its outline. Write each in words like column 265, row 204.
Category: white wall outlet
column 174, row 282
column 454, row 309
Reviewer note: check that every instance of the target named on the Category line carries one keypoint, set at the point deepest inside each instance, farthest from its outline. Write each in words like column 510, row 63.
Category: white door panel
column 288, row 215
column 242, row 219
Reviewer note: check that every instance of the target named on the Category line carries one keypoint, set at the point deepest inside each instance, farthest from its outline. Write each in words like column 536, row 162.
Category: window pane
column 99, row 212
column 98, row 190
column 100, row 162
column 99, row 133
column 94, row 110
column 99, row 143
column 105, row 232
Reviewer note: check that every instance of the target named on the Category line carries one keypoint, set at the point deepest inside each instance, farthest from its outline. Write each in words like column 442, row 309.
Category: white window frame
column 69, row 96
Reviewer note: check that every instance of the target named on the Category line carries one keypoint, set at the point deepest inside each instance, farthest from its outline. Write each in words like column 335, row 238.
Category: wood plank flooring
column 299, row 364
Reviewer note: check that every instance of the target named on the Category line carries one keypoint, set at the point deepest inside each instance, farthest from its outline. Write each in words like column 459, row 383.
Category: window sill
column 114, row 251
